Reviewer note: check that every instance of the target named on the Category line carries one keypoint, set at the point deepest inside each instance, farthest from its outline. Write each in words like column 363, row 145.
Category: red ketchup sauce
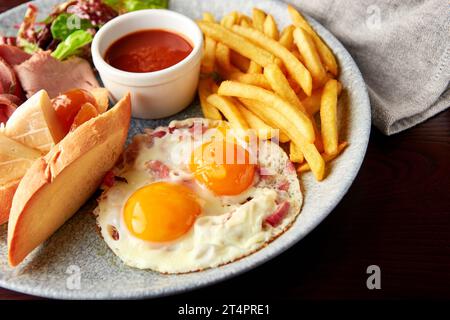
column 147, row 51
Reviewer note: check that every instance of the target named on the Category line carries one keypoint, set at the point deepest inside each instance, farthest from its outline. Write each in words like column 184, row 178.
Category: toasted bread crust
column 6, row 196
column 108, row 128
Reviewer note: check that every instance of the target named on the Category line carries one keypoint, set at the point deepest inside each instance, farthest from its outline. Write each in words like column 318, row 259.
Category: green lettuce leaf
column 71, row 44
column 115, row 4
column 134, row 5
column 65, row 24
column 27, row 46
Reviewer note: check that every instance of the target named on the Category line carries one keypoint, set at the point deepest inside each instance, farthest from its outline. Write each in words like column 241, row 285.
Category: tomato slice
column 87, row 112
column 68, row 105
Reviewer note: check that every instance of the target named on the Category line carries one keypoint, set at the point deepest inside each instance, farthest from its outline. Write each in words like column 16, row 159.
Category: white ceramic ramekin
column 155, row 94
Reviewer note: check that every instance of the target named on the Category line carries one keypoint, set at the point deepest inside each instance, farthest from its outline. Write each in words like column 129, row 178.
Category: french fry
column 254, row 68
column 309, row 150
column 247, row 78
column 270, row 28
column 209, row 17
column 229, row 19
column 230, row 111
column 294, row 67
column 307, row 49
column 238, row 60
column 254, row 79
column 259, row 17
column 299, row 119
column 223, row 56
column 325, row 53
column 237, row 43
column 209, row 56
column 297, row 54
column 281, row 86
column 328, row 116
column 257, row 108
column 295, row 154
column 313, row 158
column 295, row 86
column 326, row 157
column 204, row 90
column 287, row 37
column 318, row 142
column 263, row 130
column 312, row 103
column 246, row 21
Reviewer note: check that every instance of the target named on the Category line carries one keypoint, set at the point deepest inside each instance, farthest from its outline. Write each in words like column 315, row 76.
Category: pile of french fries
column 271, row 80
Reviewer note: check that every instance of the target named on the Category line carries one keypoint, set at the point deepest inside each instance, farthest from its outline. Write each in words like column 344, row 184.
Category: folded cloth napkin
column 402, row 49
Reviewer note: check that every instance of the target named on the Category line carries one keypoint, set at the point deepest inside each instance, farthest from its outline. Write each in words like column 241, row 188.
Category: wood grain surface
column 396, row 215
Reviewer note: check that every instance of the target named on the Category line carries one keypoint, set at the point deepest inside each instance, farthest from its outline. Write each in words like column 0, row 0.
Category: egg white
column 228, row 228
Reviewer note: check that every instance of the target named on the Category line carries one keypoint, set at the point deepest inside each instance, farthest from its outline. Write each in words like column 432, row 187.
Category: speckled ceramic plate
column 75, row 263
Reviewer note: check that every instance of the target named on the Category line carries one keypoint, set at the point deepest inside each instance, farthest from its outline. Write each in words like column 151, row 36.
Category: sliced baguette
column 35, row 123
column 6, row 195
column 101, row 97
column 57, row 185
column 15, row 159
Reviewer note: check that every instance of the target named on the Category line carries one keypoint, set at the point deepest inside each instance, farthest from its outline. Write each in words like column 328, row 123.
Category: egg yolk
column 223, row 167
column 161, row 212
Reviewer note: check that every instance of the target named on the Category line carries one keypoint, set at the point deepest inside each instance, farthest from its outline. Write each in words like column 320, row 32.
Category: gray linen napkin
column 402, row 49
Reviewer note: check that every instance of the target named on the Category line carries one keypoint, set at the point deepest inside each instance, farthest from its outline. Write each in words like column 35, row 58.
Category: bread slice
column 35, row 123
column 57, row 185
column 101, row 97
column 15, row 159
column 6, row 195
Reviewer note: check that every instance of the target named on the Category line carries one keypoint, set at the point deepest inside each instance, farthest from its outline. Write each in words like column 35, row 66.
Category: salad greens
column 70, row 27
column 27, row 46
column 67, row 23
column 71, row 44
column 133, row 5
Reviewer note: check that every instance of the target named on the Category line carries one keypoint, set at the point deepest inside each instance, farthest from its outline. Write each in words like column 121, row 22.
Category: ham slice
column 13, row 55
column 280, row 212
column 42, row 71
column 8, row 104
column 157, row 168
column 8, row 80
column 10, row 91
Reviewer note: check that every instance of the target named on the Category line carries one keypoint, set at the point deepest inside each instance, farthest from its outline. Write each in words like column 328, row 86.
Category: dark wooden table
column 396, row 215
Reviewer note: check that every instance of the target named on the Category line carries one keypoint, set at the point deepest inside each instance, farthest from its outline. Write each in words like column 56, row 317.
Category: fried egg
column 188, row 197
